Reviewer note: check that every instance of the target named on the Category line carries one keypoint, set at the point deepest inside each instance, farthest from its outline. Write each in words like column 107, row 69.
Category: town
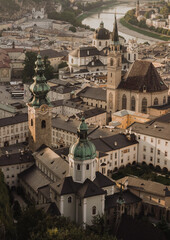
column 85, row 120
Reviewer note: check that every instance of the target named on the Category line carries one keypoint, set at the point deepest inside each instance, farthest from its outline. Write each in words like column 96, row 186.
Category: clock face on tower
column 44, row 108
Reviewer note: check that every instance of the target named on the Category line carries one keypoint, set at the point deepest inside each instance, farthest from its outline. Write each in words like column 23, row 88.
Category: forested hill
column 6, row 220
column 13, row 9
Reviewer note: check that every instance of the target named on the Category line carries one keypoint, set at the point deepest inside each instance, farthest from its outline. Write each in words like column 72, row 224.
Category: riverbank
column 107, row 5
column 142, row 31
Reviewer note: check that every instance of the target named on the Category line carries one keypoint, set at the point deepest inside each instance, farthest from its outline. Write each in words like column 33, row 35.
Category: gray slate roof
column 16, row 158
column 129, row 198
column 103, row 181
column 111, row 143
column 159, row 127
column 143, row 74
column 34, row 178
column 93, row 93
column 19, row 118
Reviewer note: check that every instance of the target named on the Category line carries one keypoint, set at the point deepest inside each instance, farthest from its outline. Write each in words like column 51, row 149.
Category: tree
column 49, row 70
column 6, row 219
column 72, row 29
column 16, row 210
column 29, row 67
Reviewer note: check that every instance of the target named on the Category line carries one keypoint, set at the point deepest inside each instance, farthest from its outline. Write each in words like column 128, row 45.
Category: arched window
column 133, row 103
column 164, row 100
column 78, row 166
column 69, row 199
column 87, row 167
column 100, row 44
column 94, row 210
column 124, row 101
column 43, row 124
column 111, row 62
column 110, row 100
column 31, row 122
column 155, row 101
column 144, row 105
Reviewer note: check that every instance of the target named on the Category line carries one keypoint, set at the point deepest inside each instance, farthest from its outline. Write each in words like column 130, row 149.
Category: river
column 107, row 16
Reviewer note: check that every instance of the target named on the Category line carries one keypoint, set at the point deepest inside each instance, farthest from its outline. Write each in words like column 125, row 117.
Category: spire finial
column 115, row 35
column 39, row 88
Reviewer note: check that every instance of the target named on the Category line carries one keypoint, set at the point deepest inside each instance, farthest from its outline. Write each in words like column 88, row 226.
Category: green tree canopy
column 29, row 67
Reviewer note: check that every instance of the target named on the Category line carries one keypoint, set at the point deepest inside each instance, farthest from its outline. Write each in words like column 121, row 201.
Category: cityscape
column 84, row 120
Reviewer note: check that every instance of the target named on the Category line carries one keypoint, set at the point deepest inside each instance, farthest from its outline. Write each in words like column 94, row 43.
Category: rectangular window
column 166, row 154
column 151, row 150
column 159, row 152
column 144, row 148
column 151, row 158
column 159, row 141
column 115, row 155
column 151, row 139
column 144, row 156
column 165, row 162
column 166, row 143
column 158, row 160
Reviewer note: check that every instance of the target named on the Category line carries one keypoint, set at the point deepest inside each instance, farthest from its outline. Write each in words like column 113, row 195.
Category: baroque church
column 141, row 87
column 94, row 58
column 74, row 185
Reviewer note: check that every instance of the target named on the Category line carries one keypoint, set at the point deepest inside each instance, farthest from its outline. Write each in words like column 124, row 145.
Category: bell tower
column 39, row 110
column 82, row 156
column 114, row 66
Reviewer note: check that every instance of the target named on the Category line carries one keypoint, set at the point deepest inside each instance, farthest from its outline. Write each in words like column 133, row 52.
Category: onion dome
column 83, row 149
column 39, row 88
column 101, row 33
column 115, row 35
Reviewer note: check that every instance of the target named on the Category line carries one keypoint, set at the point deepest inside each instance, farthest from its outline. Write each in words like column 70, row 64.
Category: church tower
column 82, row 157
column 137, row 8
column 114, row 67
column 39, row 110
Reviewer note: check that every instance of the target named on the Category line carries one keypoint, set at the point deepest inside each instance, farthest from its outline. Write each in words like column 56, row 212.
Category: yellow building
column 125, row 118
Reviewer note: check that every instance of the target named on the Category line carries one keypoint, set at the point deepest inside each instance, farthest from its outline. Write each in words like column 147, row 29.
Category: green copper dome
column 83, row 149
column 39, row 88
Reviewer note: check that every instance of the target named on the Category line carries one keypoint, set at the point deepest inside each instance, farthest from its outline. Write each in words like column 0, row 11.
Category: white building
column 13, row 130
column 13, row 164
column 154, row 142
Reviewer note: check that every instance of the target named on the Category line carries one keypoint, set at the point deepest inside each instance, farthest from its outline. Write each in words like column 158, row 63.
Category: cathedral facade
column 141, row 87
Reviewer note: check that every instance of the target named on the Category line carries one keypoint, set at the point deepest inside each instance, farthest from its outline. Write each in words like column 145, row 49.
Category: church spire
column 39, row 88
column 115, row 35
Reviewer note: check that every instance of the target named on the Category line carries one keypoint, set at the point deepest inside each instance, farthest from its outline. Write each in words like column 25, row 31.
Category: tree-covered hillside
column 7, row 230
